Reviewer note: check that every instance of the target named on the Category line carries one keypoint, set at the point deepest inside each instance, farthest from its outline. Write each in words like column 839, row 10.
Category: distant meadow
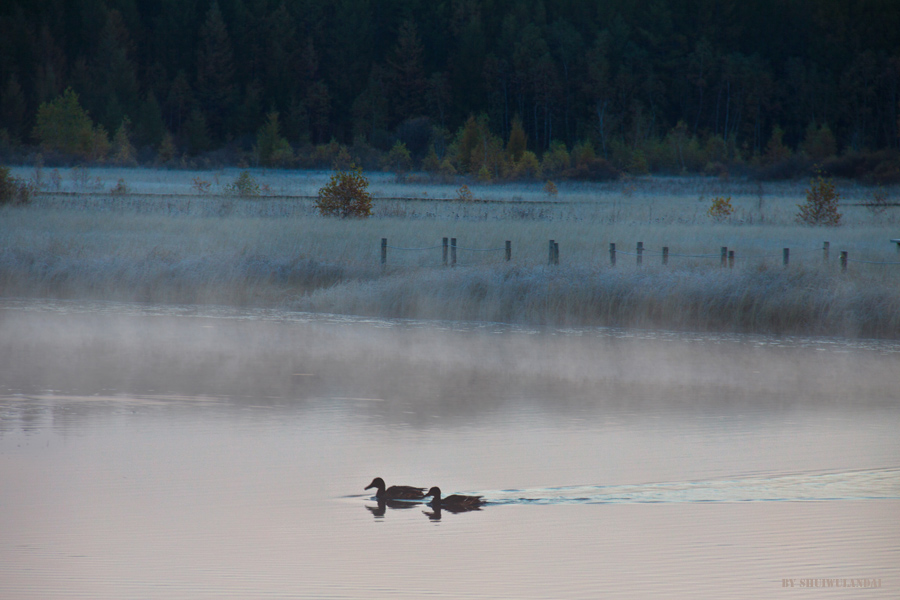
column 185, row 237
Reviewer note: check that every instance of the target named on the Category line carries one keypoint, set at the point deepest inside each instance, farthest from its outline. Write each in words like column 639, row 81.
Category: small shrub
column 120, row 189
column 555, row 160
column 776, row 151
column 55, row 179
column 166, row 151
column 819, row 143
column 465, row 194
column 200, row 185
column 83, row 181
column 720, row 209
column 345, row 195
column 399, row 159
column 821, row 207
column 592, row 169
column 12, row 190
column 550, row 189
column 879, row 202
column 527, row 167
column 431, row 163
column 245, row 185
column 716, row 169
column 333, row 155
column 887, row 172
column 638, row 164
column 447, row 169
column 37, row 178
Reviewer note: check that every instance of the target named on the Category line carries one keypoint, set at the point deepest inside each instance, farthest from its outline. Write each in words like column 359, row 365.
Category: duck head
column 378, row 484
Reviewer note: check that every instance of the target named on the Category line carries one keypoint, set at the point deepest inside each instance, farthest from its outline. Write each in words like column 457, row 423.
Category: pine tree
column 122, row 149
column 12, row 108
column 150, row 128
column 517, row 143
column 408, row 75
column 114, row 75
column 215, row 72
column 270, row 146
column 821, row 206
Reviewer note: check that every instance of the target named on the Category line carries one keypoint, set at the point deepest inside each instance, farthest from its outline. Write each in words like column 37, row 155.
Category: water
column 183, row 452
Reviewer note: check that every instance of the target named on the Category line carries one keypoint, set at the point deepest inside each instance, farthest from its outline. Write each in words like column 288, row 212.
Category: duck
column 395, row 492
column 454, row 503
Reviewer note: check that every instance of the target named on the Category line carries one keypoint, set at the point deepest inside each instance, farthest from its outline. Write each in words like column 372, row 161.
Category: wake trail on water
column 874, row 484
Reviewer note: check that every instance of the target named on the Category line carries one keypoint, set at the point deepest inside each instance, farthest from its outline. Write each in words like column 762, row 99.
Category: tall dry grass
column 191, row 247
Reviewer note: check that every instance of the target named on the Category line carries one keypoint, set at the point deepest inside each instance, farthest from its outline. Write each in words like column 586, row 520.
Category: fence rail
column 726, row 256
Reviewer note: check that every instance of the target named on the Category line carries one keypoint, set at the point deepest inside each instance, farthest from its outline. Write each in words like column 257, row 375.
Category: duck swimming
column 395, row 492
column 454, row 503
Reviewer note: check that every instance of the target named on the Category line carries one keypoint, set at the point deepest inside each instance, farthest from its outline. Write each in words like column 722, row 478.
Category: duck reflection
column 382, row 506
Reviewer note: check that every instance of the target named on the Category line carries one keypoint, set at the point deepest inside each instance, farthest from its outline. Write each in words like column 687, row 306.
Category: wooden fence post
column 444, row 251
column 508, row 250
column 731, row 259
column 844, row 261
column 825, row 251
column 452, row 252
column 612, row 254
column 640, row 253
column 665, row 255
column 550, row 253
column 383, row 251
column 724, row 255
column 786, row 256
column 555, row 253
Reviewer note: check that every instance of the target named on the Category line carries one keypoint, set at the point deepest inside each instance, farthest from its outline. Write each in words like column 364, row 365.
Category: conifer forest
column 497, row 88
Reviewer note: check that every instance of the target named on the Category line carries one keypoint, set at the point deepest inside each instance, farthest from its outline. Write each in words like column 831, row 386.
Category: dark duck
column 454, row 503
column 395, row 492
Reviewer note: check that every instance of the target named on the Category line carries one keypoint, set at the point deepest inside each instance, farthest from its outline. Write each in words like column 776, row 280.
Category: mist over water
column 182, row 451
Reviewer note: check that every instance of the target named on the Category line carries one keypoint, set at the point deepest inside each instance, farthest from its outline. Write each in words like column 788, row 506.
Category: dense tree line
column 644, row 84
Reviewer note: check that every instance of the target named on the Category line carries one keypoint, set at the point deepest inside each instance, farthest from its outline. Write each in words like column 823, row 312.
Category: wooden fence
column 450, row 248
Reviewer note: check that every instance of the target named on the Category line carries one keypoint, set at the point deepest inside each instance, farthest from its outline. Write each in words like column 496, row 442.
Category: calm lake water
column 184, row 452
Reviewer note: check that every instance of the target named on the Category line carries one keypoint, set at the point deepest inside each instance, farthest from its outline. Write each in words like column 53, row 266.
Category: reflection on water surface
column 171, row 452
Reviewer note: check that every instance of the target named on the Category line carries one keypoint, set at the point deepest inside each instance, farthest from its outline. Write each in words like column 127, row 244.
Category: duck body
column 455, row 502
column 395, row 492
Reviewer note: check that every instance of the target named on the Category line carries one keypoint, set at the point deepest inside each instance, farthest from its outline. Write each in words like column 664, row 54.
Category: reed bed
column 275, row 251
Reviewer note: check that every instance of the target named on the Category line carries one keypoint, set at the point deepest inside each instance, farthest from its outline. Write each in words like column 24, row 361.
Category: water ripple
column 875, row 484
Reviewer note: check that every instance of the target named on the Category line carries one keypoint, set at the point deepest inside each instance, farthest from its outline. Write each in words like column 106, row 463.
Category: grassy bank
column 209, row 248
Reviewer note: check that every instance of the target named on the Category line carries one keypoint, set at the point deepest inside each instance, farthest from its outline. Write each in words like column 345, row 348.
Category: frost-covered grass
column 167, row 242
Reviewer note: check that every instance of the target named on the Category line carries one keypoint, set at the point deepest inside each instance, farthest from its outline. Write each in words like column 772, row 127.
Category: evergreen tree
column 63, row 125
column 122, row 149
column 179, row 102
column 516, row 145
column 13, row 108
column 215, row 73
column 114, row 89
column 408, row 75
column 270, row 146
column 616, row 74
column 149, row 127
